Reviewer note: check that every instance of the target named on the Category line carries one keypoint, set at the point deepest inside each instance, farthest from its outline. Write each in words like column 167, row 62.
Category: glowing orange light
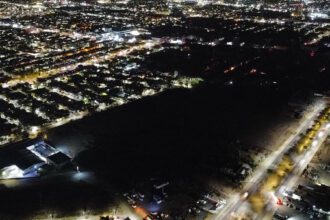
column 140, row 211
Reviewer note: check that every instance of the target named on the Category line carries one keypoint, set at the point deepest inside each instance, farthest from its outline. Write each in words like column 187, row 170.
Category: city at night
column 164, row 109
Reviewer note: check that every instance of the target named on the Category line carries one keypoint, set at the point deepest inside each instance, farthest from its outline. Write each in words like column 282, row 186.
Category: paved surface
column 236, row 204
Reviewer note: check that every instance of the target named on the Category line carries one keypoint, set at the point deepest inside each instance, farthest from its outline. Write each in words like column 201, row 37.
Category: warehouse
column 27, row 159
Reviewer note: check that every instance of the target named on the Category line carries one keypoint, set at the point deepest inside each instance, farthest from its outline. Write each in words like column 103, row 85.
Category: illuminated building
column 27, row 159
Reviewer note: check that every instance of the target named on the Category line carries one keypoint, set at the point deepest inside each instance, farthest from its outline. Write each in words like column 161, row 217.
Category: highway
column 236, row 203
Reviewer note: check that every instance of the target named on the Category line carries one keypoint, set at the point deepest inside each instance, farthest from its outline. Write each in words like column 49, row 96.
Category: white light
column 12, row 172
column 245, row 195
column 135, row 33
column 314, row 143
column 176, row 41
column 321, row 134
column 34, row 129
column 132, row 40
column 302, row 161
column 296, row 197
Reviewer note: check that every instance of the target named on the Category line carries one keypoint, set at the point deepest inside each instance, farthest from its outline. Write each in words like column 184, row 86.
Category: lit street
column 164, row 109
column 236, row 203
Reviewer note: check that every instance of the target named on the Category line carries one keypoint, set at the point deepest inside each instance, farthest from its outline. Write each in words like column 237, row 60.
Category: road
column 110, row 55
column 236, row 202
column 291, row 181
column 32, row 77
column 143, row 45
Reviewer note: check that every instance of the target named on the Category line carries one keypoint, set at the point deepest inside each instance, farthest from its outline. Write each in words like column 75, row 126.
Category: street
column 236, row 202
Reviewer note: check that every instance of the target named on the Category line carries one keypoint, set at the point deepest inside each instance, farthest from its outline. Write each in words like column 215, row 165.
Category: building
column 26, row 159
